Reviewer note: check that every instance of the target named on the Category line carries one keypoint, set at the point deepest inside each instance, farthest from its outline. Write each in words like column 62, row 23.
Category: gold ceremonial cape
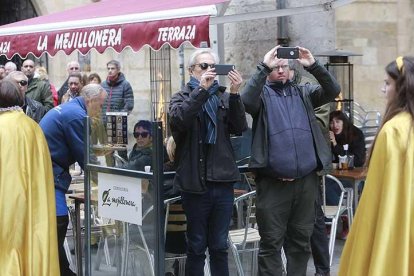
column 381, row 240
column 28, row 238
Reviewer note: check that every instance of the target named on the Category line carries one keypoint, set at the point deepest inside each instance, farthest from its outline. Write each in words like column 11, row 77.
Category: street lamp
column 339, row 66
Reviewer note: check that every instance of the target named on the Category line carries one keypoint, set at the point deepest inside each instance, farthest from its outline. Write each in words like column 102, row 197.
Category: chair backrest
column 249, row 220
column 341, row 187
column 169, row 209
column 369, row 134
column 167, row 206
column 363, row 117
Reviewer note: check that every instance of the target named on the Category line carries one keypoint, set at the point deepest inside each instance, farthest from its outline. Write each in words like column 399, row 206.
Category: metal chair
column 144, row 247
column 240, row 239
column 366, row 118
column 333, row 213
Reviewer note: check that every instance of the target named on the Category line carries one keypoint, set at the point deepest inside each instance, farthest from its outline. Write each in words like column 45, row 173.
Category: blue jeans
column 333, row 192
column 208, row 221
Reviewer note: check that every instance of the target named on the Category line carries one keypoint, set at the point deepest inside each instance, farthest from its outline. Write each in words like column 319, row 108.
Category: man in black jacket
column 31, row 108
column 202, row 117
column 288, row 148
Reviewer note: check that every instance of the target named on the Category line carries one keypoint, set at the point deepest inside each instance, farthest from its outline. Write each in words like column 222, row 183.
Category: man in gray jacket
column 120, row 94
column 288, row 148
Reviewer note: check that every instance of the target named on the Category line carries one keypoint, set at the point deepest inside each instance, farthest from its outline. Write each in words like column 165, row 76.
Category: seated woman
column 141, row 154
column 343, row 132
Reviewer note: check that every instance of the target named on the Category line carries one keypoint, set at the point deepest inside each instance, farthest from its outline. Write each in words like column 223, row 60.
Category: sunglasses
column 22, row 82
column 142, row 134
column 205, row 65
column 74, row 68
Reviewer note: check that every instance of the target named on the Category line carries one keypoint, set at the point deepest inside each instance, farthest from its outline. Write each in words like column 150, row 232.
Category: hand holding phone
column 287, row 53
column 223, row 69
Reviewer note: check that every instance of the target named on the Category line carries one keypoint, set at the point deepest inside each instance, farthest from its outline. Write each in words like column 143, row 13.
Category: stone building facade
column 379, row 30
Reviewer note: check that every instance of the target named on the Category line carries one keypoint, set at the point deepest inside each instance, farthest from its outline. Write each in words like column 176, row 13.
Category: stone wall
column 380, row 31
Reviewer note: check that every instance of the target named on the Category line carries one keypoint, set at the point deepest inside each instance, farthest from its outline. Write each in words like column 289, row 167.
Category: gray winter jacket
column 312, row 96
column 120, row 95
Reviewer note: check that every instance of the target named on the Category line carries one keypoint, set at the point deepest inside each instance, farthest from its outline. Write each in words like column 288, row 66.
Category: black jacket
column 34, row 109
column 139, row 158
column 356, row 147
column 197, row 162
column 312, row 95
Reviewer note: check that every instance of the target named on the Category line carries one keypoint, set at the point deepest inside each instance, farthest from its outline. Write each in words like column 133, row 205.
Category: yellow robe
column 381, row 239
column 28, row 238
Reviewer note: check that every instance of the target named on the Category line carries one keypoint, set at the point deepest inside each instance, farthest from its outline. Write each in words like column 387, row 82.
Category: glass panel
column 123, row 140
column 120, row 243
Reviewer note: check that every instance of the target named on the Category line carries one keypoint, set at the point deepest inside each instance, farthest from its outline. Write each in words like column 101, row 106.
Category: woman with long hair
column 381, row 239
column 343, row 132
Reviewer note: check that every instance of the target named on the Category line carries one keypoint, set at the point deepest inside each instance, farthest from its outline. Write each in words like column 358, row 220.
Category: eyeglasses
column 205, row 65
column 283, row 67
column 142, row 134
column 22, row 82
column 74, row 68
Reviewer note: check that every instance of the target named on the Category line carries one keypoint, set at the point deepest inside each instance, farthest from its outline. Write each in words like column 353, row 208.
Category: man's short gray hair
column 193, row 57
column 116, row 63
column 11, row 64
column 70, row 63
column 14, row 74
column 92, row 91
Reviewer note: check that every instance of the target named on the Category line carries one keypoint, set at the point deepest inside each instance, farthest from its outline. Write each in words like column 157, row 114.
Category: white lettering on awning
column 4, row 47
column 42, row 43
column 88, row 39
column 177, row 33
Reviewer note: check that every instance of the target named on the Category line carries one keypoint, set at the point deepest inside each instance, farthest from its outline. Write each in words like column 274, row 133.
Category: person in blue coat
column 63, row 127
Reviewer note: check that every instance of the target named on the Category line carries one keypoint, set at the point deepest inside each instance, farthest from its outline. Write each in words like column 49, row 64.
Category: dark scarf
column 210, row 108
column 113, row 79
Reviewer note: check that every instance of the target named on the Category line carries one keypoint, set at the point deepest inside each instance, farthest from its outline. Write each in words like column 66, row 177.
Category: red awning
column 111, row 24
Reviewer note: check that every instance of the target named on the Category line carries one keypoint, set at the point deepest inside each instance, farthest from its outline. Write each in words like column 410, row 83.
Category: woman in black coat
column 343, row 132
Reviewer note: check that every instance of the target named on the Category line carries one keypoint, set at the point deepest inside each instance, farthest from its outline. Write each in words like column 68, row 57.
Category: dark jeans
column 208, row 220
column 62, row 227
column 319, row 240
column 333, row 192
column 285, row 212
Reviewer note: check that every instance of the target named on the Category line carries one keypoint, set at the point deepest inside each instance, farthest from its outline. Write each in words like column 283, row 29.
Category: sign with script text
column 119, row 198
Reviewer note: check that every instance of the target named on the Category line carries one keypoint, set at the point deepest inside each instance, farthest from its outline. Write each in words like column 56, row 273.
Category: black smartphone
column 288, row 53
column 223, row 69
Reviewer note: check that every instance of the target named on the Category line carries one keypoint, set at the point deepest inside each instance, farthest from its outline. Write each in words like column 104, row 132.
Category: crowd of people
column 295, row 141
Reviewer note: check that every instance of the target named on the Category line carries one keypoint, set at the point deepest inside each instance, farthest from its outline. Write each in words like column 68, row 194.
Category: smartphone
column 288, row 53
column 223, row 69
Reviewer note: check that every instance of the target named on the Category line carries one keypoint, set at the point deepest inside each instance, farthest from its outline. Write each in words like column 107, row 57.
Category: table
column 356, row 175
column 79, row 199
